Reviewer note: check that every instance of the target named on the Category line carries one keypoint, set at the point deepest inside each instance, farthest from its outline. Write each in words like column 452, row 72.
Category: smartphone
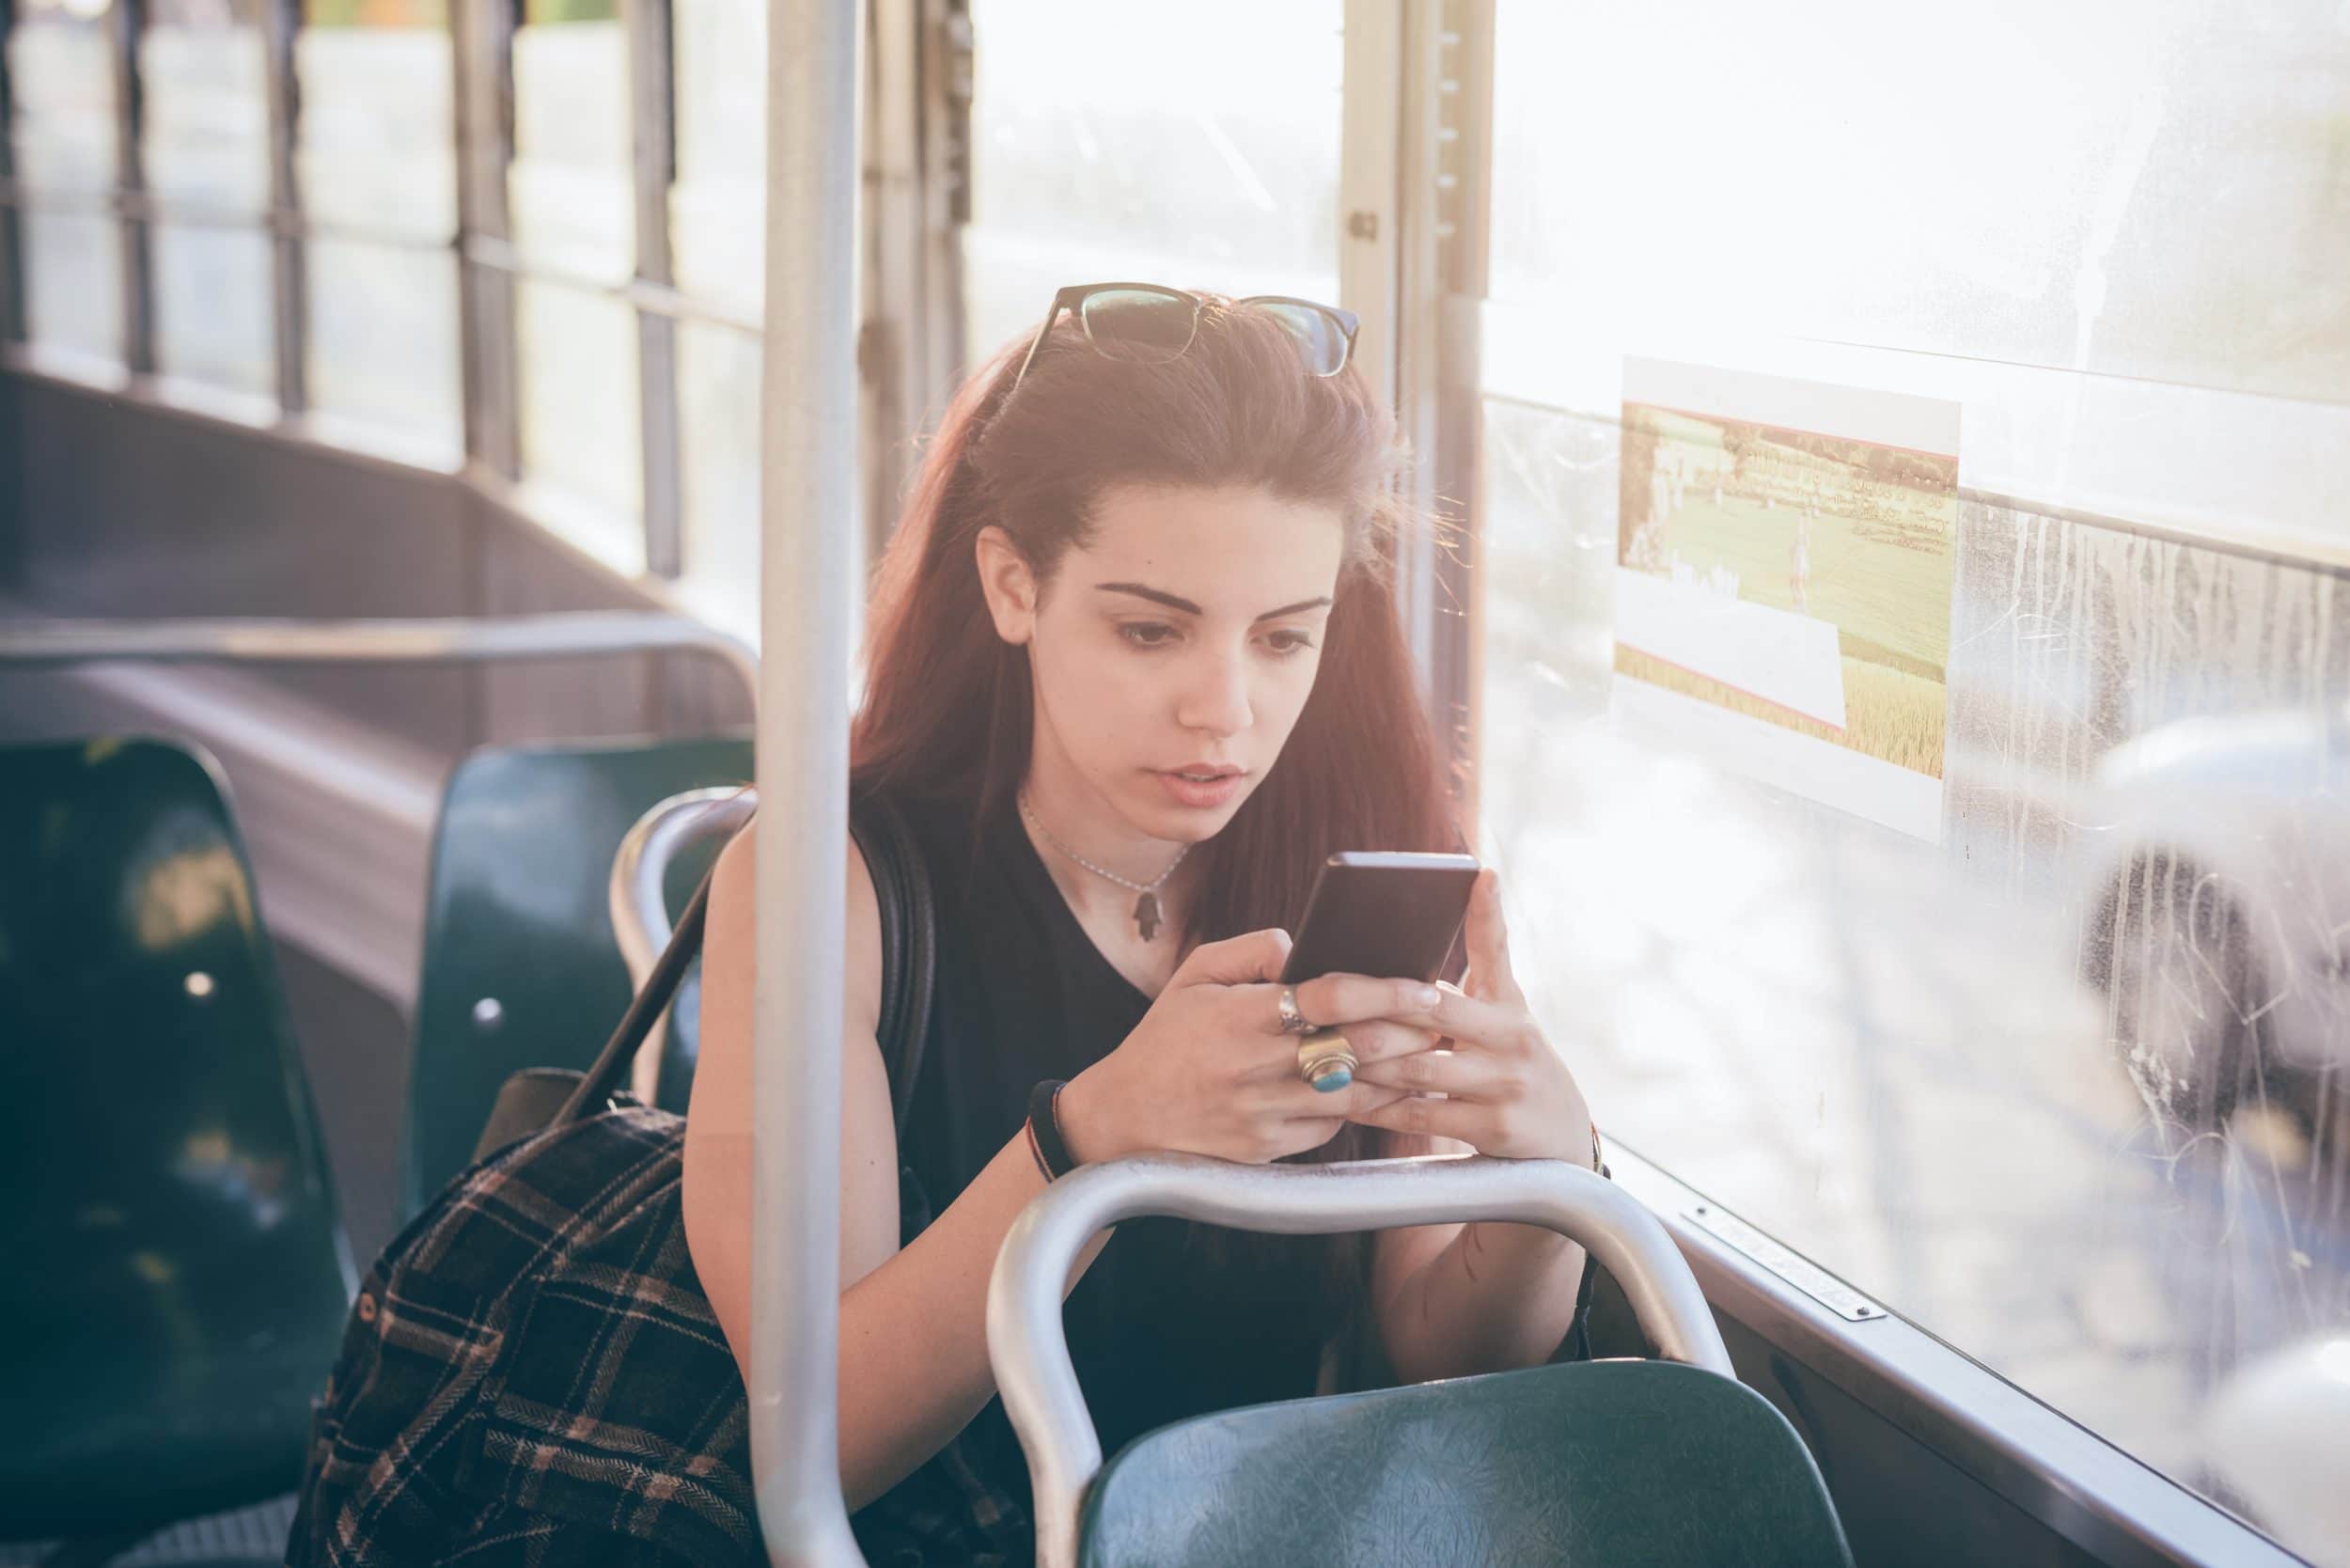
column 1392, row 916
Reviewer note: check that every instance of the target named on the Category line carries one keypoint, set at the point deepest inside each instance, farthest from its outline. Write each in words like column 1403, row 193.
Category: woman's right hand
column 1209, row 1070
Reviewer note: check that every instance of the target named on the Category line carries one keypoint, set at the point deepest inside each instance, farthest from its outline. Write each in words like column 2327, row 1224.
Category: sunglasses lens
column 1140, row 324
column 1321, row 341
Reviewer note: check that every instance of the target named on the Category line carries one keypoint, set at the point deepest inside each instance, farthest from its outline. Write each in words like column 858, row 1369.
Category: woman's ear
column 1009, row 586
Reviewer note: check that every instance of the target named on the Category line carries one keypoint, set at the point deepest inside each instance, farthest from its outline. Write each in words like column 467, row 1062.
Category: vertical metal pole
column 1418, row 106
column 129, row 19
column 809, row 484
column 280, row 20
column 12, row 324
column 484, row 38
column 652, row 98
column 1463, row 229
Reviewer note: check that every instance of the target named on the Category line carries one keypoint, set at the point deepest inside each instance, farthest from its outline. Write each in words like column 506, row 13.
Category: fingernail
column 1428, row 996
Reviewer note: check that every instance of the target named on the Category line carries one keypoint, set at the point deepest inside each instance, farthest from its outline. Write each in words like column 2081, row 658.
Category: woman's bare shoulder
column 734, row 898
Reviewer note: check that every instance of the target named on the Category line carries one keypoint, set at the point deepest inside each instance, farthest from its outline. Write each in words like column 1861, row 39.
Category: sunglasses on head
column 1146, row 324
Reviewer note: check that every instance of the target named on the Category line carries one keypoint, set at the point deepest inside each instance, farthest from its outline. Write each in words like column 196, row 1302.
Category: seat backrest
column 1606, row 1462
column 520, row 968
column 174, row 1277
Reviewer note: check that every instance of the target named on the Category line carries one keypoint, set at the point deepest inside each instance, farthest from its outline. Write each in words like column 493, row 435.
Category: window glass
column 205, row 143
column 213, row 319
column 571, row 195
column 582, row 437
column 1207, row 159
column 377, row 161
column 718, row 401
column 2058, row 1072
column 717, row 208
column 718, row 203
column 384, row 344
column 2158, row 193
column 203, row 72
column 570, row 189
column 61, row 70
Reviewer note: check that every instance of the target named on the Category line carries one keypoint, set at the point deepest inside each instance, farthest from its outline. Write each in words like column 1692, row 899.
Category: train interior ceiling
column 1968, row 992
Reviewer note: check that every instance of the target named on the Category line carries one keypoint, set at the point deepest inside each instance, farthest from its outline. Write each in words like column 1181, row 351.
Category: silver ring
column 1292, row 1021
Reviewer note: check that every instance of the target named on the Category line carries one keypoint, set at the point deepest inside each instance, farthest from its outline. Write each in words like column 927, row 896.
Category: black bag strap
column 603, row 1079
column 909, row 933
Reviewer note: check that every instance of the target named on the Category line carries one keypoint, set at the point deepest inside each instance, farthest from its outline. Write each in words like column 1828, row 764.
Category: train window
column 1198, row 161
column 718, row 201
column 717, row 207
column 376, row 160
column 205, row 136
column 718, row 404
column 571, row 191
column 62, row 71
column 2054, row 1065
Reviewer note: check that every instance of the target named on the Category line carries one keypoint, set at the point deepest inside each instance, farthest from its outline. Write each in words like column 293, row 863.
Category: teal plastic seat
column 520, row 968
column 175, row 1278
column 1669, row 1462
column 1592, row 1462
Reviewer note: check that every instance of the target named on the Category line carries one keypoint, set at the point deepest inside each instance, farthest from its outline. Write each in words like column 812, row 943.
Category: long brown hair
column 948, row 709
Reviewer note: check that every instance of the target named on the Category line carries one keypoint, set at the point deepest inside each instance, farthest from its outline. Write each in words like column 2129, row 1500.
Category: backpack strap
column 909, row 935
column 602, row 1081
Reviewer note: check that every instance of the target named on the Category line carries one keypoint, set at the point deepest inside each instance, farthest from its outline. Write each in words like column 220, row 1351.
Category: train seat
column 1667, row 1462
column 1595, row 1462
column 178, row 1278
column 520, row 968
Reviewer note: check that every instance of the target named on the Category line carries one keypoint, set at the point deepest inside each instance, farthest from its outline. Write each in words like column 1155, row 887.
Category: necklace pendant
column 1147, row 914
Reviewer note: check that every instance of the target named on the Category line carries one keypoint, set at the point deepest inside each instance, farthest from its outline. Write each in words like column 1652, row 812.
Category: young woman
column 1134, row 672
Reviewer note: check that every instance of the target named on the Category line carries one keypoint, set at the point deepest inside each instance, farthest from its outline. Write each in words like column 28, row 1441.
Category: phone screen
column 1392, row 916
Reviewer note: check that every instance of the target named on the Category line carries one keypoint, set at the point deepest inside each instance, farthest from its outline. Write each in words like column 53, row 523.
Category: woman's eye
column 1289, row 642
column 1147, row 633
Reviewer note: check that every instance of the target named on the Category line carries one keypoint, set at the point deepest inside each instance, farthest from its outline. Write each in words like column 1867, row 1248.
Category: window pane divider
column 13, row 322
column 483, row 35
column 280, row 20
column 127, row 22
column 653, row 110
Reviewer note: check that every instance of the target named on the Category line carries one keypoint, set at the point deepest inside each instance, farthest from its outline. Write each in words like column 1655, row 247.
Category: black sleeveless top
column 1173, row 1319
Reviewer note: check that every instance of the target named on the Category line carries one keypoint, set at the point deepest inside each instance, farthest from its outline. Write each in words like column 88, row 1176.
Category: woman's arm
column 912, row 1365
column 1453, row 1299
column 1208, row 1071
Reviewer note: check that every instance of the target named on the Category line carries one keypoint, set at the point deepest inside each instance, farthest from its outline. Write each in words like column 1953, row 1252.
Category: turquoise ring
column 1326, row 1061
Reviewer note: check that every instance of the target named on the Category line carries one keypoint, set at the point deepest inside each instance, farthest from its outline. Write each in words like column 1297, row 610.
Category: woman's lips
column 1199, row 796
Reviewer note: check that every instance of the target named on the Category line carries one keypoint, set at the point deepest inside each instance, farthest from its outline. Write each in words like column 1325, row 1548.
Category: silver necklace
column 1146, row 906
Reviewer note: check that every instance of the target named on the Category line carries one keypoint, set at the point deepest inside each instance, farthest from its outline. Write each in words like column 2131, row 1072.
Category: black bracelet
column 1044, row 1127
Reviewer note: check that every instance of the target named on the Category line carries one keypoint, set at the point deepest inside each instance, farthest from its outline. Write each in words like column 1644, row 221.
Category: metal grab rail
column 640, row 909
column 1028, row 1345
column 808, row 486
column 452, row 639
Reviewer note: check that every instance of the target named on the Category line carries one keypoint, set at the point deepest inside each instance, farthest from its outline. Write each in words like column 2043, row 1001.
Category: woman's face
column 1182, row 640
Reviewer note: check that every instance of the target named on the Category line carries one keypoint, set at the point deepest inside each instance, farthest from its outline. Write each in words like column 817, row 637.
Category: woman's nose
column 1216, row 699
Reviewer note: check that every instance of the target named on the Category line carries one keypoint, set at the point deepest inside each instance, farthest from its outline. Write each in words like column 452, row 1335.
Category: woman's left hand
column 1507, row 1093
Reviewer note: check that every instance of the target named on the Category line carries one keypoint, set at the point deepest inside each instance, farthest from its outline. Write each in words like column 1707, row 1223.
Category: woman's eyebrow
column 1172, row 603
